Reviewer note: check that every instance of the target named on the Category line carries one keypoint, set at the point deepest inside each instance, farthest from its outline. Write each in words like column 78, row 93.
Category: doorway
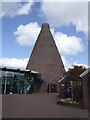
column 21, row 87
column 53, row 88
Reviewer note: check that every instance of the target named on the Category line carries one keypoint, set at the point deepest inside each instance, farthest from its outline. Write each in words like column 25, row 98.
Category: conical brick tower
column 45, row 57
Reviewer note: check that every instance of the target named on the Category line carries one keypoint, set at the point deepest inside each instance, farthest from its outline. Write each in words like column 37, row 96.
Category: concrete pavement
column 37, row 105
column 0, row 106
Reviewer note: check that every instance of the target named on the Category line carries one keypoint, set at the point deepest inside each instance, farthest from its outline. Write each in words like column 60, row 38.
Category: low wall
column 69, row 104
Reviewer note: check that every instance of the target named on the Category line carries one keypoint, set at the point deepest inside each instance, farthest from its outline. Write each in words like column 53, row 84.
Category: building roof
column 85, row 73
column 62, row 79
column 17, row 70
column 34, row 72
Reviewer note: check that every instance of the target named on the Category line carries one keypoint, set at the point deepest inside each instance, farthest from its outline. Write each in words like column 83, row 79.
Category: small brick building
column 86, row 88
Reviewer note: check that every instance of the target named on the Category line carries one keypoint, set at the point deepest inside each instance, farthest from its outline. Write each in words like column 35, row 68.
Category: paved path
column 40, row 105
column 0, row 106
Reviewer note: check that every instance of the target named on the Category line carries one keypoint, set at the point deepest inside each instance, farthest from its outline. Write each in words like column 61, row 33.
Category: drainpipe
column 5, row 83
column 72, row 89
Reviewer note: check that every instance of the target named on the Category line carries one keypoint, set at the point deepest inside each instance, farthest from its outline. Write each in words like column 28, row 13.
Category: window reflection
column 15, row 82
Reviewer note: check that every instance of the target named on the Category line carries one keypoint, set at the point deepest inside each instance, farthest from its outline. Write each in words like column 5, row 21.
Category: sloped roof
column 62, row 79
column 85, row 73
column 17, row 70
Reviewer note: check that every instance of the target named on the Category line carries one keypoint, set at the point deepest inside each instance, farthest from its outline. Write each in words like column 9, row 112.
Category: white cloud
column 0, row 9
column 14, row 62
column 22, row 63
column 16, row 8
column 25, row 9
column 64, row 13
column 69, row 63
column 46, row 0
column 68, row 45
column 10, row 0
column 15, row 1
column 65, row 1
column 84, row 65
column 27, row 34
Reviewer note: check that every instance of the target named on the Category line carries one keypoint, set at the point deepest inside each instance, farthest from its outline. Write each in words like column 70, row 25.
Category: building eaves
column 85, row 73
column 62, row 79
column 34, row 72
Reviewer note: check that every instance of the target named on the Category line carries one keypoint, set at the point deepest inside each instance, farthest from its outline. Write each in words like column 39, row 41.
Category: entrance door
column 53, row 88
column 21, row 87
column 18, row 87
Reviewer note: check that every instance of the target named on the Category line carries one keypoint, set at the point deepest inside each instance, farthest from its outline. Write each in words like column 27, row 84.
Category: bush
column 69, row 100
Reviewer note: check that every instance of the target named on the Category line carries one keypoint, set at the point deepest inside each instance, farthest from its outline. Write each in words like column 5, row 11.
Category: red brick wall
column 45, row 57
column 86, row 91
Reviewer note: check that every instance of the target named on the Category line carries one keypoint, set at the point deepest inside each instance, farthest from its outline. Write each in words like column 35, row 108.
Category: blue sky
column 21, row 24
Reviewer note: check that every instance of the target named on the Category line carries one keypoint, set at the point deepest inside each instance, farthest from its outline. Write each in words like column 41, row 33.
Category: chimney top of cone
column 45, row 25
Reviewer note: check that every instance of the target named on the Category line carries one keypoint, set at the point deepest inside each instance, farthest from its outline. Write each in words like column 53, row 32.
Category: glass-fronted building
column 19, row 81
